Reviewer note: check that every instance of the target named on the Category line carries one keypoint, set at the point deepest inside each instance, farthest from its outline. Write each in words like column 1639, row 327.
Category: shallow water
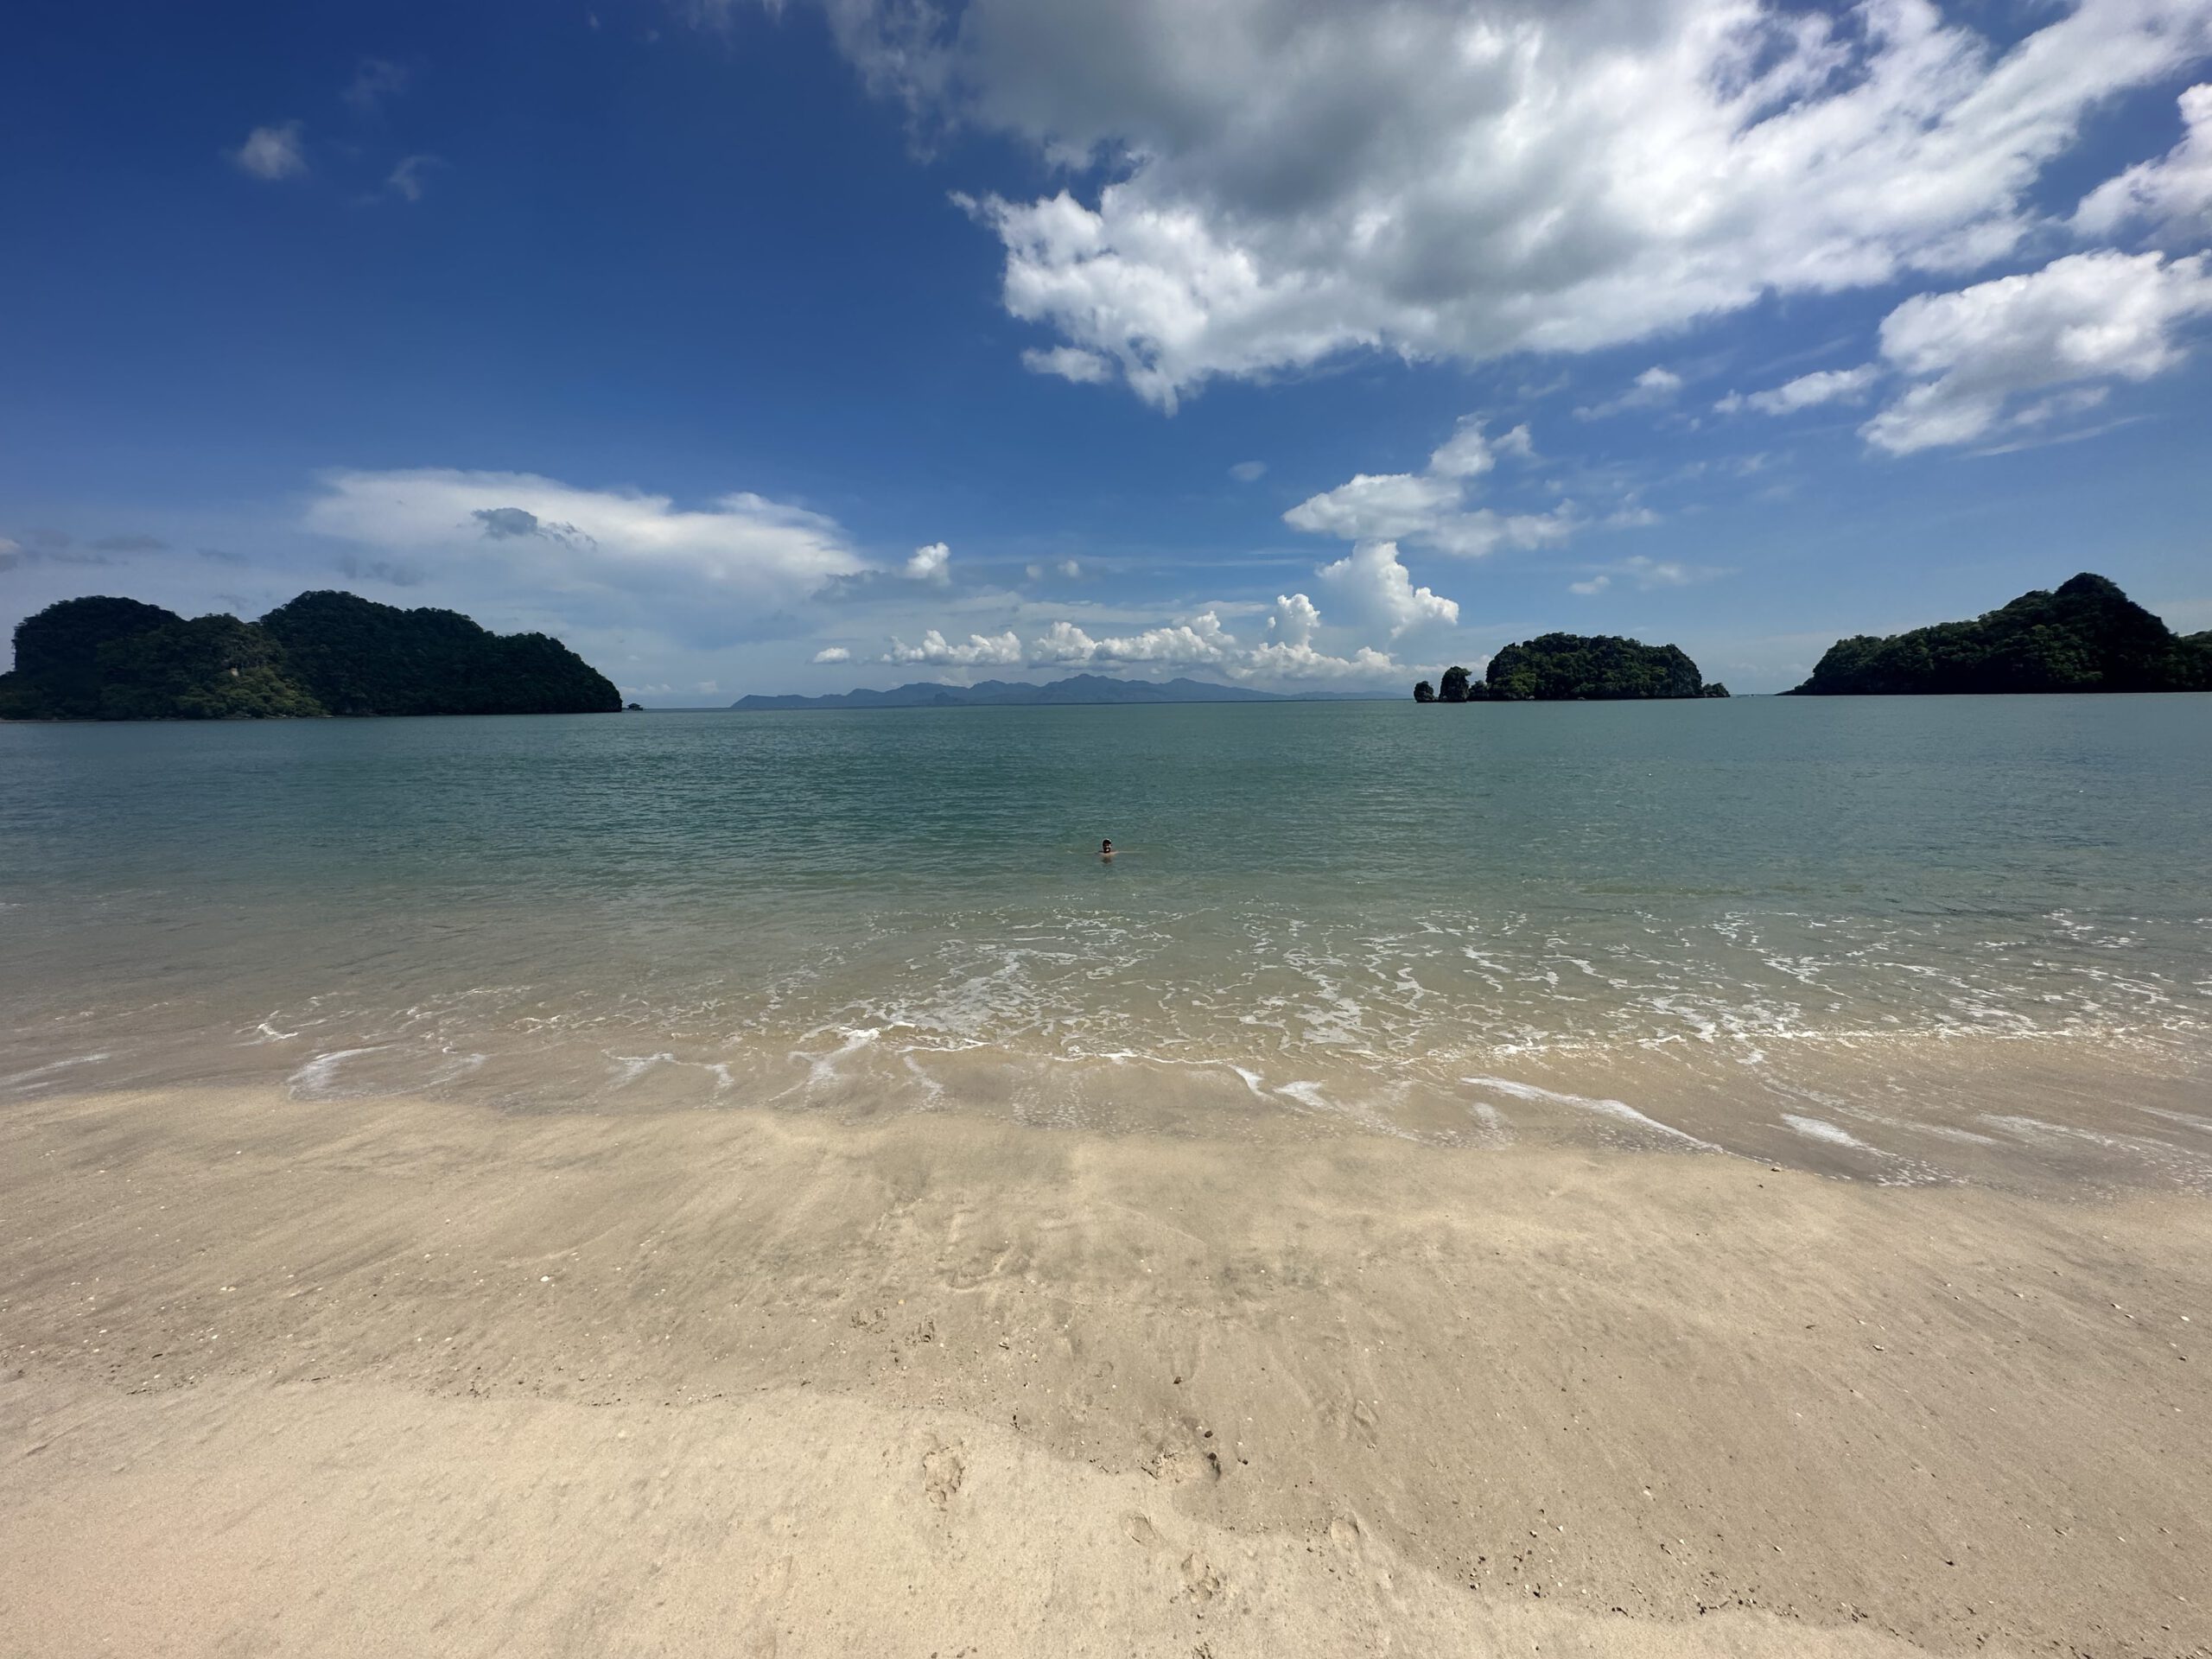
column 1902, row 939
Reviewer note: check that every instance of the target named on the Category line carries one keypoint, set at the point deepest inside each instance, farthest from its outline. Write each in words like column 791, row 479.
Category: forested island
column 1575, row 668
column 324, row 653
column 2087, row 636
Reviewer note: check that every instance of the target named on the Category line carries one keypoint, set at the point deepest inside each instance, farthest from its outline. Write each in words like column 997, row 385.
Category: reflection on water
column 1905, row 939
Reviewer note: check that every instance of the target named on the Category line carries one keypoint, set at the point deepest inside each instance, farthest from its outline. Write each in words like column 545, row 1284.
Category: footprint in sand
column 1141, row 1531
column 1180, row 1467
column 943, row 1470
column 1200, row 1578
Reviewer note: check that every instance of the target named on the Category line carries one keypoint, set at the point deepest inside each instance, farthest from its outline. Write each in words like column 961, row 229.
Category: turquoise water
column 1729, row 921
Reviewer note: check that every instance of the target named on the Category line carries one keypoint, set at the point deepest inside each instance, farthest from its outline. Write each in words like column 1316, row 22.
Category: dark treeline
column 324, row 653
column 2087, row 636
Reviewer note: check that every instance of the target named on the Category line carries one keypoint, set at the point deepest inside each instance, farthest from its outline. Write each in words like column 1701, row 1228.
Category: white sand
column 404, row 1377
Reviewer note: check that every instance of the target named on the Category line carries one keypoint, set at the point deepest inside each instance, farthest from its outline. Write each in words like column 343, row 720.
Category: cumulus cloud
column 1204, row 641
column 998, row 650
column 1287, row 180
column 743, row 548
column 1592, row 585
column 1431, row 508
column 2172, row 195
column 831, row 654
column 1978, row 358
column 1654, row 389
column 1378, row 591
column 1806, row 391
column 272, row 153
column 932, row 564
column 1290, row 648
column 1249, row 471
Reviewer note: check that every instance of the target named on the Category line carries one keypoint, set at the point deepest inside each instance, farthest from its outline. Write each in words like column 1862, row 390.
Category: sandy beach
column 404, row 1376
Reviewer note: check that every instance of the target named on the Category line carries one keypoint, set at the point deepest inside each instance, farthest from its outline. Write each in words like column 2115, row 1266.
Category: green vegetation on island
column 2087, row 636
column 324, row 653
column 1575, row 668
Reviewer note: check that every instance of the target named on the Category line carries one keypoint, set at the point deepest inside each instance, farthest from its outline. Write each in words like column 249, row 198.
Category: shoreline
column 390, row 1374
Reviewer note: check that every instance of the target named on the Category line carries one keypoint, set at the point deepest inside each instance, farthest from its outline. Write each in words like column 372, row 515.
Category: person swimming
column 1105, row 850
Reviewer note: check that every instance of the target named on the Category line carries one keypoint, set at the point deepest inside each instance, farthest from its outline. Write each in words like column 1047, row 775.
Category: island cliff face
column 1575, row 668
column 2087, row 636
column 324, row 653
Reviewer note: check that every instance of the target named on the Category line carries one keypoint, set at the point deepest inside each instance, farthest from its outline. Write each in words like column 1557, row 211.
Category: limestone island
column 1575, row 668
column 2089, row 636
column 324, row 653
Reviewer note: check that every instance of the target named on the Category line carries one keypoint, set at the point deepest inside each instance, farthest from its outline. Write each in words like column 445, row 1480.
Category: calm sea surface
column 1919, row 939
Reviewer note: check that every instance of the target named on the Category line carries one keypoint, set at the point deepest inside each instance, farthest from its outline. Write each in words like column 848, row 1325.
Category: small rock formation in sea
column 324, row 653
column 1575, row 668
column 2087, row 636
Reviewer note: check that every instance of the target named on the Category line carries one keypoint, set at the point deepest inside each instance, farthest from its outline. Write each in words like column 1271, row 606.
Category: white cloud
column 831, row 654
column 744, row 550
column 1647, row 574
column 1291, row 649
column 1430, row 508
column 998, row 650
column 1517, row 443
column 1973, row 355
column 1070, row 363
column 1378, row 591
column 1294, row 620
column 1249, row 471
column 932, row 564
column 406, row 180
column 376, row 80
column 272, row 153
column 1292, row 178
column 1806, row 391
column 1203, row 639
column 2173, row 195
column 1654, row 389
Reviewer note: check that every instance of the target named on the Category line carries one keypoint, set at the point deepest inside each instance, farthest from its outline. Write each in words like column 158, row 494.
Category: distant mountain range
column 1018, row 694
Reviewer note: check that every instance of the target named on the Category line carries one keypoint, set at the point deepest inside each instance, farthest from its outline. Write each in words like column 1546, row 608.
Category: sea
column 1907, row 941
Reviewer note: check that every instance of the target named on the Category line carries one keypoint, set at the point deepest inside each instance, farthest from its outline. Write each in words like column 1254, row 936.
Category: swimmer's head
column 1105, row 846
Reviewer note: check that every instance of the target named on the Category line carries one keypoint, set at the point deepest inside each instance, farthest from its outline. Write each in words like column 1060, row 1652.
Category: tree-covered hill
column 325, row 653
column 2087, row 636
column 1575, row 668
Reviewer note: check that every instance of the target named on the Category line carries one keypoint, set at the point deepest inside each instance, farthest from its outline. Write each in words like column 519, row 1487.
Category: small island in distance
column 2087, row 636
column 325, row 653
column 1575, row 668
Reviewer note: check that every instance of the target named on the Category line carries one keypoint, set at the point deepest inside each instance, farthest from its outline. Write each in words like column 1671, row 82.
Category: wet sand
column 404, row 1376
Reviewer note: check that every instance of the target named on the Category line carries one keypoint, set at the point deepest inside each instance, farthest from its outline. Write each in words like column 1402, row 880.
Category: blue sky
column 1298, row 342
